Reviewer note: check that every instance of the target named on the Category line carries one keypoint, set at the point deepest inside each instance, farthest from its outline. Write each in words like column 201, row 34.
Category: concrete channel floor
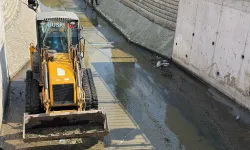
column 147, row 108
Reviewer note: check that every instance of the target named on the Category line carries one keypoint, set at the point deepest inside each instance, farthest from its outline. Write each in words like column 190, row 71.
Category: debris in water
column 61, row 141
column 165, row 64
column 162, row 63
column 237, row 117
column 99, row 25
column 158, row 64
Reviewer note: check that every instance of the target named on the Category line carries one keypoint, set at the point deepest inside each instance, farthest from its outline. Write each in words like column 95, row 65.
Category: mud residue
column 231, row 81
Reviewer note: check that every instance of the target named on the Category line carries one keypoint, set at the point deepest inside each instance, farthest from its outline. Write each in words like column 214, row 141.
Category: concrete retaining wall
column 4, row 77
column 162, row 12
column 10, row 11
column 212, row 41
column 20, row 32
column 137, row 28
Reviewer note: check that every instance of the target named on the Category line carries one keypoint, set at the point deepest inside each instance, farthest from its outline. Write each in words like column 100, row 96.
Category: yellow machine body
column 61, row 73
column 61, row 101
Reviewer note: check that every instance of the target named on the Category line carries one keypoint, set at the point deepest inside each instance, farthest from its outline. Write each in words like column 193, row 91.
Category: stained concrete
column 212, row 42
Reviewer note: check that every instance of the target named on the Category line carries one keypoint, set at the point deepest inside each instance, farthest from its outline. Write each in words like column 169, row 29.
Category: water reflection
column 124, row 76
column 185, row 131
column 94, row 19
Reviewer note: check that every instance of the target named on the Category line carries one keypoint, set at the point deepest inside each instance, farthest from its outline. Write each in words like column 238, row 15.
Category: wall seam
column 216, row 39
column 193, row 33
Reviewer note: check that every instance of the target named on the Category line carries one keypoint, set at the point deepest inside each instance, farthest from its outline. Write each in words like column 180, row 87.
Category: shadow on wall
column 4, row 81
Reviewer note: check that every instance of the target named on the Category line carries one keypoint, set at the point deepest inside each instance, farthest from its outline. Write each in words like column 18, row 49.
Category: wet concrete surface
column 172, row 109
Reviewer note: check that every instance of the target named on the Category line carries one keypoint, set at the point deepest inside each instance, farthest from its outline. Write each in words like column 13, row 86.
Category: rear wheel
column 33, row 103
column 94, row 103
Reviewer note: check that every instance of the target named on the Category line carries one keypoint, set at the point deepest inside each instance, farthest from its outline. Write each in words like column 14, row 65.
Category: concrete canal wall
column 4, row 77
column 149, row 23
column 20, row 32
column 162, row 12
column 212, row 41
column 17, row 30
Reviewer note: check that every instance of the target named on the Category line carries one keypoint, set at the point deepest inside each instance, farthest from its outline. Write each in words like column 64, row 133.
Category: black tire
column 86, row 88
column 94, row 103
column 32, row 102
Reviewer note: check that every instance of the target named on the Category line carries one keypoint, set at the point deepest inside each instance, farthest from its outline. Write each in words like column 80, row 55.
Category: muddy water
column 173, row 109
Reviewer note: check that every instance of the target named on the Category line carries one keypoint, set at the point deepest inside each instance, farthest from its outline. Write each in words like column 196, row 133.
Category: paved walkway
column 124, row 132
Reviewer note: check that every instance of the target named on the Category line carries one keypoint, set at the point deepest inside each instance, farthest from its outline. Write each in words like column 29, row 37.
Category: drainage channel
column 148, row 107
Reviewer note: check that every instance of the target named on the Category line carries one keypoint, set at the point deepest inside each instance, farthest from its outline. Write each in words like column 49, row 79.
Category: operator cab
column 57, row 31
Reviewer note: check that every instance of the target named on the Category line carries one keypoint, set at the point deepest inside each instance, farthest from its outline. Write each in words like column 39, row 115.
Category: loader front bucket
column 65, row 125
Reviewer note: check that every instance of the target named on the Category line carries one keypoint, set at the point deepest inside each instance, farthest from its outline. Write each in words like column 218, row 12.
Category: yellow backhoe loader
column 61, row 99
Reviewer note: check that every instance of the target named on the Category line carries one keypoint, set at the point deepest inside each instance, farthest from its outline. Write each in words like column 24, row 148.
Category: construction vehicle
column 61, row 99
